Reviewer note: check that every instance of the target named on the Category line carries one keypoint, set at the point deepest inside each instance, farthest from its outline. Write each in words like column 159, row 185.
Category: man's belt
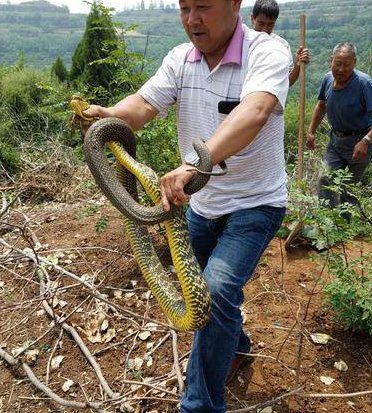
column 342, row 134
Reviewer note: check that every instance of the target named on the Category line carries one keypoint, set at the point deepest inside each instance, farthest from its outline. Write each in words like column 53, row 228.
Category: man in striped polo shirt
column 230, row 85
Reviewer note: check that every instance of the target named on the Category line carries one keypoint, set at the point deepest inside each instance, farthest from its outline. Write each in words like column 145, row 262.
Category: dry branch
column 84, row 349
column 51, row 355
column 335, row 395
column 268, row 403
column 45, row 389
column 176, row 363
column 91, row 290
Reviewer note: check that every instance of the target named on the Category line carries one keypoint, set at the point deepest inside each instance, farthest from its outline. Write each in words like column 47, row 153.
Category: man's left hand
column 172, row 186
column 360, row 150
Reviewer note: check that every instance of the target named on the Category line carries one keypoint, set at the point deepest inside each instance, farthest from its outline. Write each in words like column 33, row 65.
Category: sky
column 80, row 6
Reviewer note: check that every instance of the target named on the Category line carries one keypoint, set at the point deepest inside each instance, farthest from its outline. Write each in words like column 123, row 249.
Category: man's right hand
column 96, row 111
column 91, row 114
column 310, row 143
column 302, row 55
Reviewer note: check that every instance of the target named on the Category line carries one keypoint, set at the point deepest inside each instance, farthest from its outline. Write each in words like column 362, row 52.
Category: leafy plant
column 9, row 157
column 350, row 292
column 101, row 224
column 88, row 211
column 157, row 144
column 323, row 226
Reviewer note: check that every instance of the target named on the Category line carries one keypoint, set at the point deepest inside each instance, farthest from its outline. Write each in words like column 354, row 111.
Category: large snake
column 191, row 309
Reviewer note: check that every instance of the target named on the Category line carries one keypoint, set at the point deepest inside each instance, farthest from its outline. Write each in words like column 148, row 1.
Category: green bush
column 157, row 144
column 328, row 229
column 291, row 115
column 30, row 106
column 19, row 89
column 325, row 227
column 350, row 292
column 9, row 157
column 59, row 70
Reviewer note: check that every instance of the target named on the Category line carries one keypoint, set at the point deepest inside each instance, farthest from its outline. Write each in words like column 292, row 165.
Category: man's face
column 209, row 23
column 263, row 23
column 342, row 66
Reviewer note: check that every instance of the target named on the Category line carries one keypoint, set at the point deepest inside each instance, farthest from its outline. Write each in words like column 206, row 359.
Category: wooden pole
column 301, row 114
column 301, row 129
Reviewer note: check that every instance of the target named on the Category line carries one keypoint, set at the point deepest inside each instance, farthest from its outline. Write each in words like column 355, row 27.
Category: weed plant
column 349, row 291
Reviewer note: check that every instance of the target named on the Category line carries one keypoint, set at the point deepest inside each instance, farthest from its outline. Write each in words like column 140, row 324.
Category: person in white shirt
column 263, row 18
column 234, row 217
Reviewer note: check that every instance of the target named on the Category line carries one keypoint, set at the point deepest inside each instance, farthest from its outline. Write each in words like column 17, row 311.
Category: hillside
column 80, row 330
column 328, row 23
column 42, row 32
column 127, row 337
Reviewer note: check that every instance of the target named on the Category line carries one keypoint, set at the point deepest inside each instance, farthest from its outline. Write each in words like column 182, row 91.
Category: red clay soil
column 285, row 284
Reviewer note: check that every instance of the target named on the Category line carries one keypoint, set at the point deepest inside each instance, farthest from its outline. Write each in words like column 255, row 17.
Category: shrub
column 291, row 115
column 59, row 70
column 157, row 144
column 350, row 292
column 28, row 106
column 9, row 157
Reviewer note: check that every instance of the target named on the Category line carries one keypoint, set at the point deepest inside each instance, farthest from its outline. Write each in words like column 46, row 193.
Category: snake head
column 78, row 105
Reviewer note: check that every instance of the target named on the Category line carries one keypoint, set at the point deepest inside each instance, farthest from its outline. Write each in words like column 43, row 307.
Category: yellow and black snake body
column 191, row 309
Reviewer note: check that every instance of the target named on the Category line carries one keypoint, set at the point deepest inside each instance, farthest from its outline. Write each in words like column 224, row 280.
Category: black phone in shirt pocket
column 226, row 106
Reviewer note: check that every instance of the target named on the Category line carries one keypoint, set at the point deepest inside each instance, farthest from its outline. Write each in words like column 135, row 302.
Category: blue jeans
column 228, row 249
column 339, row 156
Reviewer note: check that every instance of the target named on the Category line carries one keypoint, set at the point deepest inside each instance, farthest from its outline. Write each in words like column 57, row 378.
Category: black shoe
column 239, row 362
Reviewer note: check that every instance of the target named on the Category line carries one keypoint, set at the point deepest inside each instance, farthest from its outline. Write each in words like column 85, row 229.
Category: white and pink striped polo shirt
column 253, row 62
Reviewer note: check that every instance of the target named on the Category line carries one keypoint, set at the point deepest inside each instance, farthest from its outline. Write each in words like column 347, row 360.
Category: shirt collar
column 233, row 52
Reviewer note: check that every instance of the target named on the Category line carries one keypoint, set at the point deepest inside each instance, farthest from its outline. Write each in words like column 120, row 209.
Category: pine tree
column 98, row 42
column 59, row 70
column 77, row 67
column 102, row 67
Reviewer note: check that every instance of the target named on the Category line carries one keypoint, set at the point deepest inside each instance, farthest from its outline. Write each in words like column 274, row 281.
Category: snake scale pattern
column 189, row 309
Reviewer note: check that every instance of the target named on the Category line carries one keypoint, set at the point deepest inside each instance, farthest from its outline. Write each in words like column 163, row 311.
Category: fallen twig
column 52, row 354
column 84, row 349
column 335, row 395
column 271, row 358
column 271, row 402
column 302, row 326
column 176, row 363
column 91, row 290
column 46, row 390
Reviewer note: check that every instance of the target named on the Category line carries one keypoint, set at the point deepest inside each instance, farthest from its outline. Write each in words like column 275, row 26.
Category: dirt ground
column 127, row 335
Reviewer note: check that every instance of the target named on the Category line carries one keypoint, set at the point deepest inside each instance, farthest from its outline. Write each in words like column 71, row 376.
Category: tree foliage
column 98, row 42
column 30, row 110
column 44, row 32
column 102, row 67
column 59, row 70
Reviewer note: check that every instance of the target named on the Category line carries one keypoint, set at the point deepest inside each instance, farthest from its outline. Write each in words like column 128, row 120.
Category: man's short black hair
column 269, row 8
